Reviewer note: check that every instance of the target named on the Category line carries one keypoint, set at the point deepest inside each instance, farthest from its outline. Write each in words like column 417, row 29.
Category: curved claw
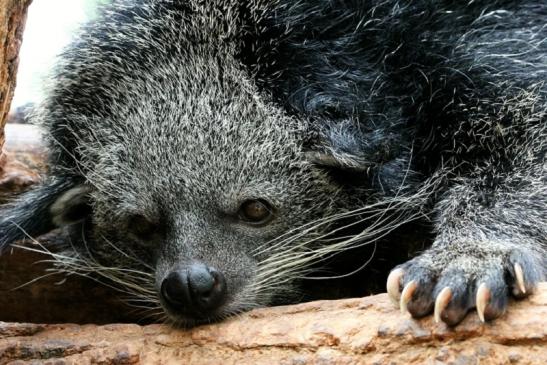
column 482, row 299
column 406, row 295
column 519, row 277
column 393, row 285
column 441, row 302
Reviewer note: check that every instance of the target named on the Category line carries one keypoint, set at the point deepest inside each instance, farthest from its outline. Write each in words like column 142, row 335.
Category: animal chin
column 183, row 321
column 187, row 319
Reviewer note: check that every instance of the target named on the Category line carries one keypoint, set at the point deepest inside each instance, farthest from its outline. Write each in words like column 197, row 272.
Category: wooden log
column 355, row 331
column 12, row 22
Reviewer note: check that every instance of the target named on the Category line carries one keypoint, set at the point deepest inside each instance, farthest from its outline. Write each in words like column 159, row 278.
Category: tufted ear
column 72, row 206
column 57, row 202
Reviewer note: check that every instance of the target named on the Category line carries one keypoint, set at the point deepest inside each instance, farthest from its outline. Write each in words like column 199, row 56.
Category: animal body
column 208, row 156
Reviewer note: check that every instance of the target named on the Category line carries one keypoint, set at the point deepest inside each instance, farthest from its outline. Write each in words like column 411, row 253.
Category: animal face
column 201, row 214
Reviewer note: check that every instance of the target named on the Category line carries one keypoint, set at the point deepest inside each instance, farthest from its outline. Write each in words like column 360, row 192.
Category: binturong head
column 199, row 200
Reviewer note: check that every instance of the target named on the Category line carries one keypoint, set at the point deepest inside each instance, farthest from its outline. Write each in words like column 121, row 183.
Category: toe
column 407, row 294
column 519, row 286
column 453, row 295
column 393, row 285
column 524, row 272
column 441, row 302
column 491, row 297
column 419, row 283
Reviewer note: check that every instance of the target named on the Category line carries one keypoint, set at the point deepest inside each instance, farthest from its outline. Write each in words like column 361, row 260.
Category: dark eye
column 142, row 227
column 256, row 211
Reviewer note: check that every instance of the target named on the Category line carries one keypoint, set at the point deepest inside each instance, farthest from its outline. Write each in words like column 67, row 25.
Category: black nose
column 195, row 289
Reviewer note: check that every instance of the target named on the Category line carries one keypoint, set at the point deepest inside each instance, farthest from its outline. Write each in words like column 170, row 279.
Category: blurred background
column 49, row 28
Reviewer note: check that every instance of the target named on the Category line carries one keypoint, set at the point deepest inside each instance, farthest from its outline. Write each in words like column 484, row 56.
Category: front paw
column 450, row 282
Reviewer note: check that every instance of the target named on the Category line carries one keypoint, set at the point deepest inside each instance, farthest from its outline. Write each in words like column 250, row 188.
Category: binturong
column 209, row 157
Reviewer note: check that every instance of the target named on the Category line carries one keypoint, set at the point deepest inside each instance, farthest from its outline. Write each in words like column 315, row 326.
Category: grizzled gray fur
column 209, row 156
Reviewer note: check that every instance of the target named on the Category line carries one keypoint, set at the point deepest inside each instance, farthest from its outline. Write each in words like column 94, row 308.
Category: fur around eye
column 142, row 227
column 256, row 211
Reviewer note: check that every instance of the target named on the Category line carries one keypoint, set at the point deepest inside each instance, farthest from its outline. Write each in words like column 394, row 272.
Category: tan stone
column 356, row 331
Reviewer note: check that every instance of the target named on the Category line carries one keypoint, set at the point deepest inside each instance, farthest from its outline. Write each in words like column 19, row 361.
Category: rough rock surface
column 356, row 331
